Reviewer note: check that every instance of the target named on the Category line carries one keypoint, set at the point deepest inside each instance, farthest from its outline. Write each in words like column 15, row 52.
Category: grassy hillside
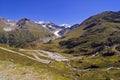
column 97, row 34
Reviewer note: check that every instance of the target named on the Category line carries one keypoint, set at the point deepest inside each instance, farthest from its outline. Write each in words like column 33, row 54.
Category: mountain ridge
column 58, row 30
column 28, row 29
column 99, row 26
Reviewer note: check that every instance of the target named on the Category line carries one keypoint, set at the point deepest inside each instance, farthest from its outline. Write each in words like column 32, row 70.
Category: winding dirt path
column 36, row 59
column 41, row 60
column 51, row 55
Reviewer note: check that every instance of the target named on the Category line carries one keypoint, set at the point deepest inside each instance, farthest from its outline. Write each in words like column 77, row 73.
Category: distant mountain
column 65, row 25
column 58, row 30
column 67, row 28
column 51, row 27
column 23, row 32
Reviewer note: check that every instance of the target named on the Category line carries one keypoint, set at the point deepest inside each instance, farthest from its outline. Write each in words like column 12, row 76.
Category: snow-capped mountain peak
column 65, row 25
column 58, row 30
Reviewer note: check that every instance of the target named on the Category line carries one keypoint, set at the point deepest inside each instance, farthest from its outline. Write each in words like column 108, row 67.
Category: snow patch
column 56, row 33
column 65, row 25
column 50, row 26
column 44, row 26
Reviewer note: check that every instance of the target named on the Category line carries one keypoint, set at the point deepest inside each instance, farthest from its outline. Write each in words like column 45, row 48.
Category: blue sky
column 57, row 11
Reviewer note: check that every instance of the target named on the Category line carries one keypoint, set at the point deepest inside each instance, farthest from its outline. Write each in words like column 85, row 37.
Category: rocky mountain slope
column 99, row 34
column 22, row 32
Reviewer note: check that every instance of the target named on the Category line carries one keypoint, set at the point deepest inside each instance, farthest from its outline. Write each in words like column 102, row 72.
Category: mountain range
column 58, row 30
column 26, row 31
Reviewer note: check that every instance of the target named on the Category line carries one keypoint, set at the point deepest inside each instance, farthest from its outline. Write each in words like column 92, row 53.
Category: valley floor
column 54, row 66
